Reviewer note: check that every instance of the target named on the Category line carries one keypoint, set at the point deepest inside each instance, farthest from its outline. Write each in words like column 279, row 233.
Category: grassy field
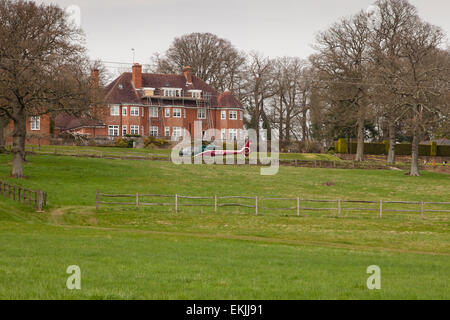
column 163, row 152
column 155, row 253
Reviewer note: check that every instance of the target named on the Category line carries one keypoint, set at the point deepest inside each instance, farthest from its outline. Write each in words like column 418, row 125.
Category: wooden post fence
column 24, row 195
column 339, row 207
column 176, row 203
column 137, row 200
column 381, row 209
column 39, row 202
column 215, row 203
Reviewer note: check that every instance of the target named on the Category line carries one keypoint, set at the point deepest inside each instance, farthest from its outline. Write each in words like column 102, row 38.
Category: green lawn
column 156, row 253
column 163, row 152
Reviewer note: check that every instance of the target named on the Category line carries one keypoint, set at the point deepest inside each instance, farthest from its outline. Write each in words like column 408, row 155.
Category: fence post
column 176, row 203
column 422, row 210
column 256, row 205
column 381, row 209
column 339, row 207
column 215, row 203
column 298, row 207
column 20, row 193
column 96, row 200
column 137, row 200
column 40, row 200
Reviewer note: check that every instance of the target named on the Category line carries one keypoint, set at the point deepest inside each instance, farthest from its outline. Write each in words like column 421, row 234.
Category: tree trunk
column 360, row 146
column 18, row 149
column 305, row 135
column 415, row 156
column 3, row 124
column 391, row 154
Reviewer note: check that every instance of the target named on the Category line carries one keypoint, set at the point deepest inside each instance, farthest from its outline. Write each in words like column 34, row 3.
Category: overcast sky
column 274, row 28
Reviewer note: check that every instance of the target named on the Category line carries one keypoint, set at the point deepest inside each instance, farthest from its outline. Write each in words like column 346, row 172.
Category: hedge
column 402, row 149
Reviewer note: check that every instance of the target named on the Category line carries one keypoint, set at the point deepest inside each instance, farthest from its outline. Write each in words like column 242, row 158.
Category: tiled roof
column 122, row 90
column 227, row 100
column 69, row 122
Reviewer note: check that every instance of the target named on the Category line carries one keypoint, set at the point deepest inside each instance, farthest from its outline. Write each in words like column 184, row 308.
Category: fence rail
column 145, row 156
column 36, row 199
column 301, row 205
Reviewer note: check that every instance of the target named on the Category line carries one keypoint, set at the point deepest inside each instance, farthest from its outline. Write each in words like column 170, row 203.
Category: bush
column 341, row 146
column 123, row 143
column 433, row 151
column 443, row 151
column 152, row 141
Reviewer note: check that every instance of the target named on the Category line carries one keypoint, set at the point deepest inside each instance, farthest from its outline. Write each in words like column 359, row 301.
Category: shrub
column 123, row 143
column 443, row 151
column 341, row 146
column 152, row 141
column 433, row 149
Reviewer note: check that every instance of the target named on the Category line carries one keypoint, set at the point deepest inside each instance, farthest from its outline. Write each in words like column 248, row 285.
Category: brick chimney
column 94, row 78
column 137, row 76
column 187, row 72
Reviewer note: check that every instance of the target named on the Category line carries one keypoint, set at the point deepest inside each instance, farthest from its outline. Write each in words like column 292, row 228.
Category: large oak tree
column 43, row 67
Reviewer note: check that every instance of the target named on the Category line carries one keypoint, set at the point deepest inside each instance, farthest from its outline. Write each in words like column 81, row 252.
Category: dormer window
column 196, row 94
column 171, row 92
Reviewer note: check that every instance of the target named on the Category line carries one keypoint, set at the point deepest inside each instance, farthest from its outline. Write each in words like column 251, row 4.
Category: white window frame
column 124, row 130
column 176, row 132
column 35, row 123
column 232, row 133
column 124, row 111
column 201, row 113
column 167, row 131
column 153, row 112
column 153, row 130
column 167, row 112
column 133, row 129
column 172, row 92
column 176, row 112
column 223, row 134
column 234, row 113
column 196, row 94
column 134, row 111
column 114, row 129
column 223, row 115
column 114, row 110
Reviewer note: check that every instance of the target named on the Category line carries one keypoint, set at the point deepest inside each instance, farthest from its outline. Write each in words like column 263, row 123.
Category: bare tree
column 414, row 69
column 259, row 86
column 290, row 104
column 213, row 59
column 43, row 67
column 343, row 61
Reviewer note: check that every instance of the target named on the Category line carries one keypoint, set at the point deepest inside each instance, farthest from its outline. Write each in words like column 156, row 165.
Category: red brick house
column 167, row 105
column 39, row 131
column 147, row 104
